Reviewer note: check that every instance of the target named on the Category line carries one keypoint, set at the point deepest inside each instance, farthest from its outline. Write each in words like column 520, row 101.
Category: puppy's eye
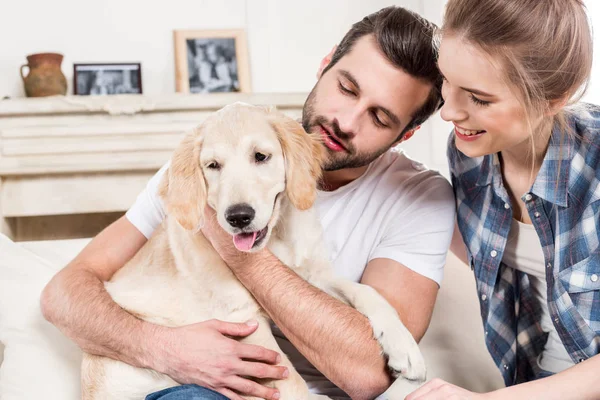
column 214, row 165
column 260, row 157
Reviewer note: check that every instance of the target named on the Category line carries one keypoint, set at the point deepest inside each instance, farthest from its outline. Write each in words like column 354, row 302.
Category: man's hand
column 204, row 354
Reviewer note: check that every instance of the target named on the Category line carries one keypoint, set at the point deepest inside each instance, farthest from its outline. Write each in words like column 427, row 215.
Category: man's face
column 361, row 105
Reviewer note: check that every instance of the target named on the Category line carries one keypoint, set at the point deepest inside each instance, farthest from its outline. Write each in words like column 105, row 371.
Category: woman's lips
column 467, row 135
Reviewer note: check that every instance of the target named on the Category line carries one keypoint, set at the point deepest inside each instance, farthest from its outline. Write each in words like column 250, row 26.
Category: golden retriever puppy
column 258, row 170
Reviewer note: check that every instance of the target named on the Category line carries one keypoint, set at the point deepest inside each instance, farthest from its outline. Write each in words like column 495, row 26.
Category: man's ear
column 407, row 135
column 325, row 62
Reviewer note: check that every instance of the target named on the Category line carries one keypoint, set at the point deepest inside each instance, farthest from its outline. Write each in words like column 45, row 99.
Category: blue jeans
column 186, row 392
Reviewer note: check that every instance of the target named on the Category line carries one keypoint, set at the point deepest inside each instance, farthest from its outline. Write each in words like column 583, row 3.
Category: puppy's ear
column 303, row 154
column 183, row 189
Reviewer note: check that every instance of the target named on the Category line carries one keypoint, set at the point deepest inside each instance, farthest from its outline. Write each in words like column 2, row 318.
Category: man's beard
column 336, row 160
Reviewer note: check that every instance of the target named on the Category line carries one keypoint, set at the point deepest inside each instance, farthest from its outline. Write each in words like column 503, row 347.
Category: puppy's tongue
column 244, row 241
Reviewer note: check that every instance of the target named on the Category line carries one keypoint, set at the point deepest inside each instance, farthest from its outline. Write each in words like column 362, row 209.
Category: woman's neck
column 520, row 165
column 526, row 158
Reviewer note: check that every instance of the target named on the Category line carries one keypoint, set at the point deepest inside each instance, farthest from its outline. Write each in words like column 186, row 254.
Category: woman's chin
column 472, row 151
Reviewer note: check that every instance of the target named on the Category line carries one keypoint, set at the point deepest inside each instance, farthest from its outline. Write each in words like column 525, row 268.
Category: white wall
column 286, row 40
column 593, row 94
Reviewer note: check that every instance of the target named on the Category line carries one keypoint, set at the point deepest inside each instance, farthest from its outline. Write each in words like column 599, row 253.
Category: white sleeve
column 148, row 212
column 420, row 229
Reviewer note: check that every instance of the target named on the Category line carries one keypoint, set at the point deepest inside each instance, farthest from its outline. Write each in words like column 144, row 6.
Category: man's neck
column 333, row 180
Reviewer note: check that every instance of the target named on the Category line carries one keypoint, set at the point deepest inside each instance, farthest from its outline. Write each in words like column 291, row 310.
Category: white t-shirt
column 524, row 252
column 398, row 209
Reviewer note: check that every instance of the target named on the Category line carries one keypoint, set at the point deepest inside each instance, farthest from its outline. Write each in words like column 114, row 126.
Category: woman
column 525, row 165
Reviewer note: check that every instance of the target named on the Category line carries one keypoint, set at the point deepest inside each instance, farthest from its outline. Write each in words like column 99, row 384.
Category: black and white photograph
column 212, row 65
column 107, row 79
column 211, row 61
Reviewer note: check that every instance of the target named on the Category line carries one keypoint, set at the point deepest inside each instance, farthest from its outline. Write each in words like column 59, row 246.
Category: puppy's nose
column 239, row 215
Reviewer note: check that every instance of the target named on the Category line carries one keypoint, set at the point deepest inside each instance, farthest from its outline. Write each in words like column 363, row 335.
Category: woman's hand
column 438, row 389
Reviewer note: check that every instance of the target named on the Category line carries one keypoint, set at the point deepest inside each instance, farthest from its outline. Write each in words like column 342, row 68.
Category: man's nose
column 349, row 123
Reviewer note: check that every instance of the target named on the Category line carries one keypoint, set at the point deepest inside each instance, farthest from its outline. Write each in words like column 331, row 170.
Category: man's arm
column 333, row 336
column 77, row 303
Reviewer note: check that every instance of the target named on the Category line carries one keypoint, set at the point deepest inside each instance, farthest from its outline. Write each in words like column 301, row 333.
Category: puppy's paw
column 403, row 353
column 408, row 364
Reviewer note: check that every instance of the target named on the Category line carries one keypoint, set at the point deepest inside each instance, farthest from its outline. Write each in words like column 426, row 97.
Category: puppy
column 258, row 169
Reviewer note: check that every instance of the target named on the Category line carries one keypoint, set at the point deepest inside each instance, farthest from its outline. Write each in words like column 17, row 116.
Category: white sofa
column 41, row 363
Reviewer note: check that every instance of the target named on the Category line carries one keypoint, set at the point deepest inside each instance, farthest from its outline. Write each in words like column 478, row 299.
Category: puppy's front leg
column 404, row 357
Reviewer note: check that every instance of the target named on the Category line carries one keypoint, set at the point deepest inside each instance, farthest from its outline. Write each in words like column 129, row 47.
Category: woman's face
column 487, row 114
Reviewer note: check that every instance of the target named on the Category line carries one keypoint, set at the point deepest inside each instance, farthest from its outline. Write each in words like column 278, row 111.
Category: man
column 387, row 221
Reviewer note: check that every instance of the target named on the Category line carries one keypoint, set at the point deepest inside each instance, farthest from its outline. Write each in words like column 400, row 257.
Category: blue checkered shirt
column 564, row 206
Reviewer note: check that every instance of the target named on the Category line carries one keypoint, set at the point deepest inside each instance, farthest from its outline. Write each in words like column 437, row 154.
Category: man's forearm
column 575, row 383
column 334, row 337
column 78, row 304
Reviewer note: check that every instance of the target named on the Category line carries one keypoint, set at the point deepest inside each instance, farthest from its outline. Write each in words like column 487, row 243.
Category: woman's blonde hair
column 543, row 46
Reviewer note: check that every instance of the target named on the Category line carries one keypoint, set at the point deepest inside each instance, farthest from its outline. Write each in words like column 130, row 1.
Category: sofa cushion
column 36, row 352
column 39, row 361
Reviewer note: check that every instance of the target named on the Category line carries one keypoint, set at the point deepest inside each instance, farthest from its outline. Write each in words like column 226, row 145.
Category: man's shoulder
column 397, row 170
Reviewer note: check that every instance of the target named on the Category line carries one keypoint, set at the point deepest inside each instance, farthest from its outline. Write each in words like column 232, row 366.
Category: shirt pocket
column 583, row 276
column 582, row 283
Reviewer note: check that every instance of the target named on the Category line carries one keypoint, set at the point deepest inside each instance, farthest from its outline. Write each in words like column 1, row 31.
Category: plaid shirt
column 564, row 205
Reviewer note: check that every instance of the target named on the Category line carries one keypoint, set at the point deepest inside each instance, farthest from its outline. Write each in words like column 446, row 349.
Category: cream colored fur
column 177, row 278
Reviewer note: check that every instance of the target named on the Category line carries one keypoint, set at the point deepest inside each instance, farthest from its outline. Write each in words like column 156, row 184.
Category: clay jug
column 45, row 77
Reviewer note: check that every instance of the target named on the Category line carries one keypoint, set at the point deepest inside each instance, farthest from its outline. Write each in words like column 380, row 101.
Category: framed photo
column 211, row 61
column 106, row 79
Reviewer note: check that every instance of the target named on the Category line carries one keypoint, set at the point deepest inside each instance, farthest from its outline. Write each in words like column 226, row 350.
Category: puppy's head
column 241, row 162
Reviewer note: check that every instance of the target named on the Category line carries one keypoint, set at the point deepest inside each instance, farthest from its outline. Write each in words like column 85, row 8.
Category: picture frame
column 107, row 78
column 211, row 61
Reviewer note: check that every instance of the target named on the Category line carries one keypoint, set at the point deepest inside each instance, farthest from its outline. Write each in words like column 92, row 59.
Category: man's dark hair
column 409, row 42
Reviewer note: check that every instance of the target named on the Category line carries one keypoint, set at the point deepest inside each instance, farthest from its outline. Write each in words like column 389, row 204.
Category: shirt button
column 493, row 253
column 581, row 360
column 549, row 265
column 594, row 278
column 506, row 205
column 483, row 297
column 486, row 333
column 536, row 214
column 556, row 320
column 528, row 197
column 505, row 367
